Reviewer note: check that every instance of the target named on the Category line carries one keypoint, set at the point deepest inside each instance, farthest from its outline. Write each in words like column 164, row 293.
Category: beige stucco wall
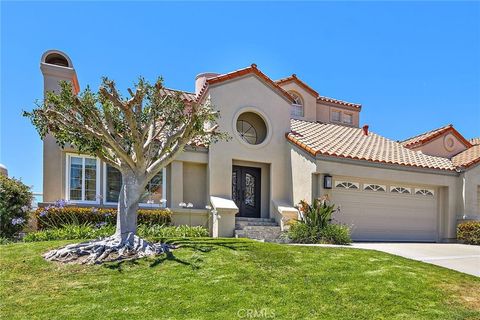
column 303, row 175
column 437, row 147
column 195, row 184
column 309, row 108
column 324, row 112
column 250, row 94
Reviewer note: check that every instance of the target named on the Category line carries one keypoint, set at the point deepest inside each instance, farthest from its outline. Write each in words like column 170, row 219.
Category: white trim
column 340, row 182
column 68, row 156
column 142, row 205
column 375, row 186
column 423, row 194
column 392, row 187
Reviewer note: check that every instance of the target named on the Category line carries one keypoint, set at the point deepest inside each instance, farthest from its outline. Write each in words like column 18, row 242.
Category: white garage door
column 386, row 212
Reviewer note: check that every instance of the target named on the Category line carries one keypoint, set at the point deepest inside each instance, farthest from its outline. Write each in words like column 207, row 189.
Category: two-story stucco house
column 288, row 143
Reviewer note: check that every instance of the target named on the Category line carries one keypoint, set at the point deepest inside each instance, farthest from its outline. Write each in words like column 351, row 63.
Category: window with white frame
column 347, row 118
column 155, row 192
column 82, row 175
column 346, row 185
column 336, row 116
column 297, row 105
column 424, row 192
column 401, row 190
column 374, row 187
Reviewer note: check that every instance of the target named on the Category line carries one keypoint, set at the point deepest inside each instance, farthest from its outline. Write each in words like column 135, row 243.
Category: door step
column 262, row 229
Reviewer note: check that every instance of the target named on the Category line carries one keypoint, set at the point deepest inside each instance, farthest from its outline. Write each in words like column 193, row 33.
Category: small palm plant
column 317, row 215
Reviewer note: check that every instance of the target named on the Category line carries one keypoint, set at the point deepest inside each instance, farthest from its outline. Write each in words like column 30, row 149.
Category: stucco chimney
column 55, row 66
column 365, row 130
column 201, row 78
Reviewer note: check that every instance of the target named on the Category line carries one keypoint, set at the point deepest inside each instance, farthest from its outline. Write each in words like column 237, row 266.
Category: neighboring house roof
column 243, row 72
column 426, row 137
column 475, row 141
column 349, row 142
column 468, row 157
column 293, row 78
column 185, row 96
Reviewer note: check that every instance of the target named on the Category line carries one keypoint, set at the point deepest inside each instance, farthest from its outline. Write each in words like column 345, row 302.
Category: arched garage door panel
column 376, row 216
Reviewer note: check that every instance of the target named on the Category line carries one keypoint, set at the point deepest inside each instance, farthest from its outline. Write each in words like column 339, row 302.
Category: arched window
column 297, row 105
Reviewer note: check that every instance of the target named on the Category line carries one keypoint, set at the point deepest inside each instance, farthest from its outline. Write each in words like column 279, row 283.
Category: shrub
column 70, row 232
column 335, row 234
column 301, row 233
column 469, row 232
column 159, row 233
column 15, row 203
column 315, row 225
column 57, row 215
column 88, row 231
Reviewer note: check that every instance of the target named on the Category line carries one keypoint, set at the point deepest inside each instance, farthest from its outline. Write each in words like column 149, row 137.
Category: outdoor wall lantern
column 327, row 181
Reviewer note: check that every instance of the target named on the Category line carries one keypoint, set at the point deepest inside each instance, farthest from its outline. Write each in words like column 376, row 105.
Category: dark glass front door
column 246, row 190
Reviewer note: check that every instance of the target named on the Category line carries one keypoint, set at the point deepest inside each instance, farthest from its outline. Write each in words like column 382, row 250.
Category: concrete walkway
column 459, row 257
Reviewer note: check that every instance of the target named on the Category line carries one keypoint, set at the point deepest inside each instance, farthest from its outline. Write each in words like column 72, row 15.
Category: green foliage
column 120, row 130
column 317, row 215
column 302, row 233
column 89, row 231
column 15, row 203
column 469, row 232
column 335, row 234
column 159, row 233
column 70, row 232
column 315, row 225
column 56, row 216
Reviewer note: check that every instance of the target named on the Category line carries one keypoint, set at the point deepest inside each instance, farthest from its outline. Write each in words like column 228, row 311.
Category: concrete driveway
column 460, row 257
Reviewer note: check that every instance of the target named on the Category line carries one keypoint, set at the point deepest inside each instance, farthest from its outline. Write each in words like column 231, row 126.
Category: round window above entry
column 251, row 128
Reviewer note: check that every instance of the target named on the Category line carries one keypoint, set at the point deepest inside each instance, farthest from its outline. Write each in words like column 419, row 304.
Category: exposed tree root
column 108, row 249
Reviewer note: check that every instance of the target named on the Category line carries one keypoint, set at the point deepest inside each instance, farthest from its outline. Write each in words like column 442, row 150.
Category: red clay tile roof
column 185, row 96
column 249, row 70
column 341, row 102
column 293, row 78
column 348, row 142
column 423, row 138
column 474, row 141
column 468, row 157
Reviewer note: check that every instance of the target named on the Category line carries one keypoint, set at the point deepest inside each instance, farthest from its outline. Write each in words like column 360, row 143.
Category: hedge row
column 469, row 232
column 55, row 217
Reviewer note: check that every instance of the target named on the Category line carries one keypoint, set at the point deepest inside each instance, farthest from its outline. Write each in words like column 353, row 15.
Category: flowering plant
column 15, row 204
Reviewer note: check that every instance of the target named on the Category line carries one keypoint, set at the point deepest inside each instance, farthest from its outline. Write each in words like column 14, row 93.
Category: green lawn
column 227, row 278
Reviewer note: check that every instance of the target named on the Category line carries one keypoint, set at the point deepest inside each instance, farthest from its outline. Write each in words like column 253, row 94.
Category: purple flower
column 100, row 224
column 16, row 221
column 43, row 213
column 94, row 210
column 60, row 203
column 108, row 215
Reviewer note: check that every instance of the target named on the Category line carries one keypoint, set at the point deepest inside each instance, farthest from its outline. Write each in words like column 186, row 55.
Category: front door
column 246, row 190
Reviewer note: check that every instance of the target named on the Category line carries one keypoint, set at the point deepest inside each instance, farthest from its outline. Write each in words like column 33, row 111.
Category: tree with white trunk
column 138, row 135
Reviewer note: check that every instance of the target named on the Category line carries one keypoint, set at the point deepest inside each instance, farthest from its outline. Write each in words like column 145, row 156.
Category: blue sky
column 413, row 66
